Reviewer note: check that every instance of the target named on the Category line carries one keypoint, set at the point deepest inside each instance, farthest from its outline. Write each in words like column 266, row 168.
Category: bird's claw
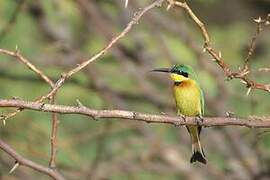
column 183, row 117
column 178, row 123
column 199, row 120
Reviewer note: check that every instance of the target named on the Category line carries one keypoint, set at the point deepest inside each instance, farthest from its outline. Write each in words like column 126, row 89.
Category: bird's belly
column 187, row 101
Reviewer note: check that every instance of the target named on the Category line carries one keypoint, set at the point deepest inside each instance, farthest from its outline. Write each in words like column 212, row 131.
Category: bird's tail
column 198, row 154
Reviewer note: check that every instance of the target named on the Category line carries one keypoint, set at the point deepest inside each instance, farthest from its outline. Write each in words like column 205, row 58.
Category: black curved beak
column 166, row 70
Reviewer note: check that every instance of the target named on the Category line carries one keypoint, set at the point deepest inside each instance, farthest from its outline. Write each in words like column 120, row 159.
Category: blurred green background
column 57, row 35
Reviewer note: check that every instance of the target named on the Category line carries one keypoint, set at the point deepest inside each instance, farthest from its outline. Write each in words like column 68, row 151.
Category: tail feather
column 198, row 154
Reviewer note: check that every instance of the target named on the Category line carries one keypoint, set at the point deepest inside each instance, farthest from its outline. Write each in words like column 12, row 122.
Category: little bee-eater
column 189, row 102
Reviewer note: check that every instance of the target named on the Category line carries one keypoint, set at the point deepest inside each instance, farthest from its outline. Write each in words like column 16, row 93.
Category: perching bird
column 189, row 102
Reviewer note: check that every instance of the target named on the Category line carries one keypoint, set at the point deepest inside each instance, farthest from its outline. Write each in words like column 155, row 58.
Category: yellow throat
column 187, row 95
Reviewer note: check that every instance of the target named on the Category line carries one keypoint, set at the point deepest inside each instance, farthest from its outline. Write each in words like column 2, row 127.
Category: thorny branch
column 53, row 138
column 44, row 77
column 252, row 122
column 242, row 74
column 59, row 83
column 20, row 160
column 134, row 21
column 32, row 67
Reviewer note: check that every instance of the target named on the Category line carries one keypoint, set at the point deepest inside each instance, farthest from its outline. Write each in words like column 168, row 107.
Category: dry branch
column 135, row 19
column 25, row 162
column 251, row 122
column 55, row 86
column 242, row 74
column 26, row 62
column 16, row 54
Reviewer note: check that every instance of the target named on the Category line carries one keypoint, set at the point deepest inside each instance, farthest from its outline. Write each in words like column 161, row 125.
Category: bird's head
column 178, row 72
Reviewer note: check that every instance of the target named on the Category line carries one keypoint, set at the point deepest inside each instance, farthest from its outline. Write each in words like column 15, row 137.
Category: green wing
column 202, row 102
column 195, row 77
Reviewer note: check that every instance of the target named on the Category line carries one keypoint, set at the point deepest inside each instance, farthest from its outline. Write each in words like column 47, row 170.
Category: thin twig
column 67, row 75
column 26, row 62
column 252, row 45
column 53, row 139
column 242, row 74
column 44, row 77
column 196, row 19
column 16, row 54
column 135, row 19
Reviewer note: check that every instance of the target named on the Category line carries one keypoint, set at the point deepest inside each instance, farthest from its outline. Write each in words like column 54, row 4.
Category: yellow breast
column 187, row 95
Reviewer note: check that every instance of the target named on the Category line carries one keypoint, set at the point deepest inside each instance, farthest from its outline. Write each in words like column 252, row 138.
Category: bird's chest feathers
column 187, row 96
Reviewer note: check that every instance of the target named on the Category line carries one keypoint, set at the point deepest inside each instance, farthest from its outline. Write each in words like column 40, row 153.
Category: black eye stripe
column 183, row 73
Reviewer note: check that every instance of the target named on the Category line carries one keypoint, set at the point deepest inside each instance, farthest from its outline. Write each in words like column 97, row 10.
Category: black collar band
column 177, row 83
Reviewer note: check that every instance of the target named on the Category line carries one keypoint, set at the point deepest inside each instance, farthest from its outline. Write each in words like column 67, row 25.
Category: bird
column 189, row 99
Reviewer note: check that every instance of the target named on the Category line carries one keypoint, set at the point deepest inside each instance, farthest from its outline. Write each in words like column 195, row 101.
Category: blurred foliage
column 125, row 150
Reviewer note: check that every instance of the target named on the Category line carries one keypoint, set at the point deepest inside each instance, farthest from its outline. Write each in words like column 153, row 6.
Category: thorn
column 248, row 91
column 171, row 3
column 245, row 72
column 15, row 98
column 168, row 7
column 204, row 49
column 163, row 113
column 229, row 114
column 219, row 54
column 264, row 69
column 259, row 20
column 16, row 165
column 239, row 68
column 126, row 3
column 79, row 104
column 242, row 81
column 3, row 118
column 17, row 49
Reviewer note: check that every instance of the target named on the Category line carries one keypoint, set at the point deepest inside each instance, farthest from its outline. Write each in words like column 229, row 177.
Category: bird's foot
column 178, row 123
column 199, row 120
column 183, row 117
